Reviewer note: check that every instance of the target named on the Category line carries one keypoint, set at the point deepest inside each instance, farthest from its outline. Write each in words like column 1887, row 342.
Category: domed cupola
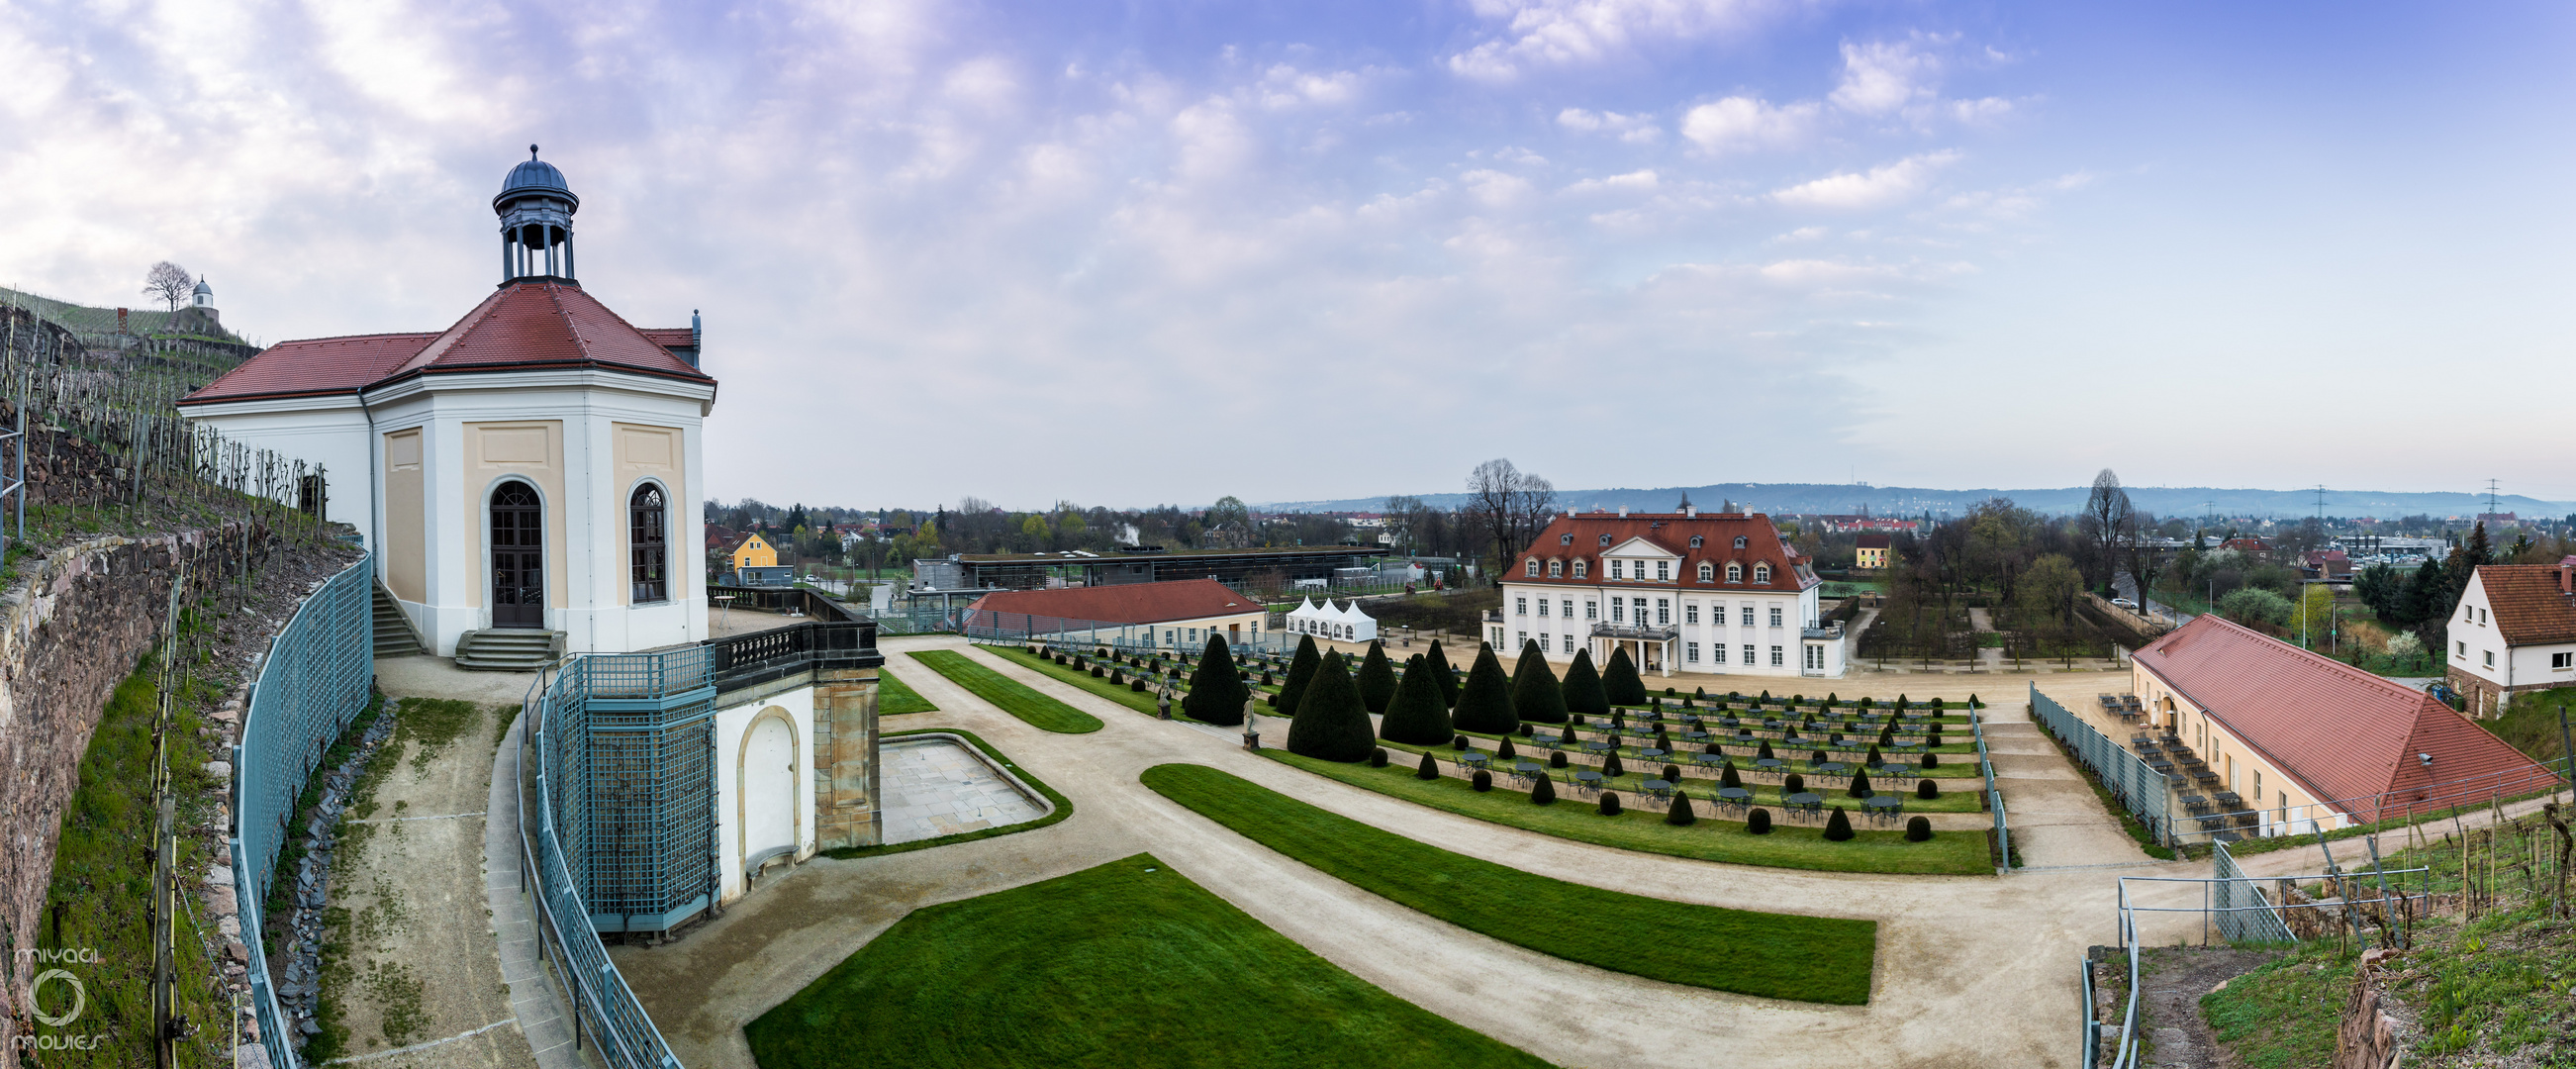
column 535, row 206
column 203, row 296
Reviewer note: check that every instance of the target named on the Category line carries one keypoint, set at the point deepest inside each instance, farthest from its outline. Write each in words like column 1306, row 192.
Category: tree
column 1680, row 815
column 170, row 282
column 1292, row 691
column 1509, row 503
column 1416, row 715
column 1377, row 679
column 2106, row 522
column 1437, row 663
column 1838, row 826
column 1217, row 693
column 1485, row 703
column 1582, row 689
column 2048, row 591
column 1536, row 697
column 1430, row 768
column 2255, row 605
column 1620, row 683
column 1544, row 791
column 1331, row 723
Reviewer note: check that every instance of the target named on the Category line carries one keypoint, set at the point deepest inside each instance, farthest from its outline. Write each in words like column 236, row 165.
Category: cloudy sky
column 1133, row 252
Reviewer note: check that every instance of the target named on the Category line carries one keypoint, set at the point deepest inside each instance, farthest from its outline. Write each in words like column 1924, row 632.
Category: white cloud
column 1884, row 76
column 1284, row 86
column 1555, row 33
column 1879, row 187
column 1494, row 189
column 1804, row 233
column 1634, row 129
column 1632, row 182
column 1739, row 122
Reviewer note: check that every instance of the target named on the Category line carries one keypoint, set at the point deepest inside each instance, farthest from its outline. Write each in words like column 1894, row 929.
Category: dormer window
column 1605, row 540
column 1581, row 568
column 1739, row 541
column 1533, row 567
column 1696, row 541
column 1565, row 540
column 1707, row 571
column 1734, row 572
column 1555, row 568
column 1761, row 573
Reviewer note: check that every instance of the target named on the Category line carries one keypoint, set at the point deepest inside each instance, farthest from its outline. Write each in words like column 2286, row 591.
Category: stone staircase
column 508, row 649
column 394, row 636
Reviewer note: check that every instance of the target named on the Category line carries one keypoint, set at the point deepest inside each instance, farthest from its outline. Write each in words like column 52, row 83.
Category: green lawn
column 894, row 698
column 1772, row 955
column 1143, row 703
column 1127, row 964
column 1789, row 846
column 1063, row 805
column 1010, row 696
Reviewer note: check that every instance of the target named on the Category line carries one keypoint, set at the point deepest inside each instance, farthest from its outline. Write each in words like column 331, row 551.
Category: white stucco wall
column 732, row 725
column 1711, row 616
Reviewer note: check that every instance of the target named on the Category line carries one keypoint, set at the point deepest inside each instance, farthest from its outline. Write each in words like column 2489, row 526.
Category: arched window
column 1739, row 541
column 1555, row 568
column 1707, row 571
column 1762, row 573
column 648, row 546
column 1533, row 567
column 1582, row 568
column 1697, row 541
column 1734, row 572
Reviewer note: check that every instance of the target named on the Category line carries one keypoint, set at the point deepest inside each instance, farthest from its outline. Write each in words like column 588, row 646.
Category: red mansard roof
column 1671, row 532
column 523, row 326
column 2345, row 734
column 1119, row 603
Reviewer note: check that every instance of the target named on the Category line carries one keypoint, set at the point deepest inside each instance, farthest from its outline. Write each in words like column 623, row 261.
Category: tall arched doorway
column 768, row 789
column 518, row 556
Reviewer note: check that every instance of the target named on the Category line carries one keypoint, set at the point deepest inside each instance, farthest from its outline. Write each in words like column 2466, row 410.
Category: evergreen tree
column 1765, row 753
column 1680, row 815
column 1485, row 703
column 1620, row 683
column 1416, row 715
column 1758, row 822
column 1609, row 804
column 1503, row 751
column 1730, row 778
column 1216, row 692
column 1838, row 826
column 1582, row 688
column 1331, row 722
column 1918, row 830
column 1293, row 692
column 1860, row 785
column 1611, row 768
column 1447, row 680
column 1535, row 694
column 1377, row 679
column 1429, row 769
column 1543, row 792
column 1926, row 790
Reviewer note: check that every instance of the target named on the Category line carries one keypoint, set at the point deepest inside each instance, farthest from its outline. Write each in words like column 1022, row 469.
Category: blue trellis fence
column 311, row 683
column 2143, row 791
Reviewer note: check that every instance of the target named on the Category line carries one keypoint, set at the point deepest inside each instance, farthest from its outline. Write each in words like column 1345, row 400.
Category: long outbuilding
column 1032, row 571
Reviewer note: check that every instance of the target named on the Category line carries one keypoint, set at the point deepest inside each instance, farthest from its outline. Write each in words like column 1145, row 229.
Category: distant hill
column 188, row 346
column 1833, row 498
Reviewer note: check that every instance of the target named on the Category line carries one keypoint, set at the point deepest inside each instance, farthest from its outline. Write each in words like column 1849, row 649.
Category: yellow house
column 752, row 552
column 1872, row 554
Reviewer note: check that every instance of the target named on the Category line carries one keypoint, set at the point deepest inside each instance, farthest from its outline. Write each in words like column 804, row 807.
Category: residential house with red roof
column 1177, row 614
column 1872, row 552
column 2308, row 741
column 1686, row 591
column 533, row 467
column 2515, row 631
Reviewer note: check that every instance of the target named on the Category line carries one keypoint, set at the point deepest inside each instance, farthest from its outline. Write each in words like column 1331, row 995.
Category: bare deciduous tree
column 2107, row 521
column 170, row 282
column 1511, row 503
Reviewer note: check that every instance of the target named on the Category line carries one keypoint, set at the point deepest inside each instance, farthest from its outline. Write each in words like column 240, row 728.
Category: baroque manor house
column 529, row 474
column 1680, row 592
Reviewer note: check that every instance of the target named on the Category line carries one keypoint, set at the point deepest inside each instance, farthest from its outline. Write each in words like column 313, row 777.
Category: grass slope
column 1063, row 805
column 1127, row 964
column 894, row 698
column 1772, row 955
column 1042, row 712
column 1713, row 838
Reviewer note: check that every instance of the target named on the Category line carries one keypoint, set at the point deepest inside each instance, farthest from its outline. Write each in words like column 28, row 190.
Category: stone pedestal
column 847, row 793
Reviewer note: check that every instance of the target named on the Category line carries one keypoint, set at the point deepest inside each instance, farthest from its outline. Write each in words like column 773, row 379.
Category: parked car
column 2125, row 604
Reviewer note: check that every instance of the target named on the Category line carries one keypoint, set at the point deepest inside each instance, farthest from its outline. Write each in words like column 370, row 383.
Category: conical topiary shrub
column 1860, row 785
column 1619, row 681
column 1765, row 754
column 1441, row 676
column 1609, row 804
column 1542, row 792
column 1680, row 815
column 1758, row 822
column 1503, row 751
column 1428, row 769
column 1838, row 826
column 1293, row 693
column 1331, row 724
column 1927, row 790
column 1536, row 697
column 1485, row 703
column 1376, row 679
column 1618, row 719
column 1611, row 768
column 1729, row 777
column 1567, row 736
column 1918, row 829
column 1416, row 715
column 1582, row 687
column 1216, row 692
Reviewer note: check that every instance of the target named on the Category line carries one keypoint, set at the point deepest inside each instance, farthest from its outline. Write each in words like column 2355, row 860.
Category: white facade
column 1344, row 624
column 764, row 786
column 1668, row 621
column 413, row 465
column 2480, row 651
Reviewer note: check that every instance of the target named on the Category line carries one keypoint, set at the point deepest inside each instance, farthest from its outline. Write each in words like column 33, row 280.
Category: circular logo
column 80, row 998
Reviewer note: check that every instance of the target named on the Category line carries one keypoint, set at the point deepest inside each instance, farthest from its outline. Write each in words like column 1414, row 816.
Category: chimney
column 2567, row 575
column 1623, row 512
column 1690, row 511
column 120, row 321
column 697, row 338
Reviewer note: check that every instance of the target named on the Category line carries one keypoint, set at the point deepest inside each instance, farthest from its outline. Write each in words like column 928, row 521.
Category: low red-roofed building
column 2309, row 741
column 2514, row 632
column 1178, row 614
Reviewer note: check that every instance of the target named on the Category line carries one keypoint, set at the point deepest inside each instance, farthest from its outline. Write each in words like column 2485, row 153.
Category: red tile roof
column 1119, row 603
column 1876, row 541
column 2527, row 604
column 2348, row 736
column 1671, row 532
column 523, row 326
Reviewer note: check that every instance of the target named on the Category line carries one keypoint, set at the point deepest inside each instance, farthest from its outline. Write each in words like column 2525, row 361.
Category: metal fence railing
column 2143, row 791
column 2244, row 914
column 314, row 679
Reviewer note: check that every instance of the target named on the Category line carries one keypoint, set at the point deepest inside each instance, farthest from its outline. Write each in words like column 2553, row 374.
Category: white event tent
column 1346, row 624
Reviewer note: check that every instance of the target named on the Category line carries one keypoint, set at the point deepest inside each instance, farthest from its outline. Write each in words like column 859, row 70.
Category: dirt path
column 1973, row 971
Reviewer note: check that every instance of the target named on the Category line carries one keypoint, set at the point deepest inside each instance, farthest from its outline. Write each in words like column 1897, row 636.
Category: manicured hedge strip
column 1771, row 955
column 1143, row 703
column 1063, row 805
column 1008, row 695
